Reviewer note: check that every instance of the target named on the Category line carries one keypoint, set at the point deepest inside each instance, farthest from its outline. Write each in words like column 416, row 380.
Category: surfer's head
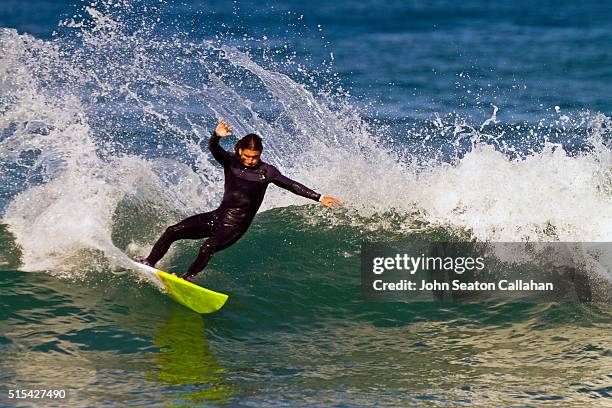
column 249, row 150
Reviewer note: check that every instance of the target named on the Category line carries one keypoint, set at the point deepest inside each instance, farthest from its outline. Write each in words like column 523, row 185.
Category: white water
column 77, row 175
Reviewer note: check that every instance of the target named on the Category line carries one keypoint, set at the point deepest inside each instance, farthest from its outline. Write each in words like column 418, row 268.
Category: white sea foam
column 68, row 173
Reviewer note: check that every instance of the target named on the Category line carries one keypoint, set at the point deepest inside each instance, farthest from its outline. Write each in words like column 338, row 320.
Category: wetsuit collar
column 243, row 167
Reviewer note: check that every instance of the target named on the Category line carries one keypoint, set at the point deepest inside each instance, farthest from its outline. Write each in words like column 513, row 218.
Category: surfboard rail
column 188, row 294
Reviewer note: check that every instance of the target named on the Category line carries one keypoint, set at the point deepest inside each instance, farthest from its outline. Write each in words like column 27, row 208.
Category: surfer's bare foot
column 143, row 260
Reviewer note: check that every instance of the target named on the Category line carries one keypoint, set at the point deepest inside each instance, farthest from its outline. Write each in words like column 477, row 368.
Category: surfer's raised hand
column 329, row 201
column 223, row 129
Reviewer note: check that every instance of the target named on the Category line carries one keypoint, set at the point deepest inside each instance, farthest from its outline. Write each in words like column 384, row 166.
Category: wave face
column 111, row 114
column 295, row 332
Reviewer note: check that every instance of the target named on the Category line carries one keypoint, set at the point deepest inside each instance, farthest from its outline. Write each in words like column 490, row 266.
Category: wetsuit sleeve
column 296, row 188
column 217, row 151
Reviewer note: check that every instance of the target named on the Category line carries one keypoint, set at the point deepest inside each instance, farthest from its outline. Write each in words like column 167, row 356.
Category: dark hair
column 249, row 142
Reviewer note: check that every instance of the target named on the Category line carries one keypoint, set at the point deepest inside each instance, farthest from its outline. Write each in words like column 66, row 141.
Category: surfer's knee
column 230, row 240
column 173, row 230
column 210, row 245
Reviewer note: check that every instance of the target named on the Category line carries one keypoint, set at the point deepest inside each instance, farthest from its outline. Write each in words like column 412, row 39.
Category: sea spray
column 109, row 113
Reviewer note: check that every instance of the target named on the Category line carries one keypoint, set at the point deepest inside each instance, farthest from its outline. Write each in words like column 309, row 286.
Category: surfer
column 246, row 180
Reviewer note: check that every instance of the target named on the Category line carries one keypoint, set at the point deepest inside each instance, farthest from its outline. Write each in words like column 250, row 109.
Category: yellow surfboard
column 188, row 294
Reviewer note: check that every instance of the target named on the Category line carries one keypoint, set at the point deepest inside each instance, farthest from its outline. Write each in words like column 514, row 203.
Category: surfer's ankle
column 143, row 260
column 187, row 277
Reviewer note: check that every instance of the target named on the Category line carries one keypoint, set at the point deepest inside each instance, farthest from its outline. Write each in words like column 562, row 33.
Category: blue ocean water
column 433, row 121
column 413, row 58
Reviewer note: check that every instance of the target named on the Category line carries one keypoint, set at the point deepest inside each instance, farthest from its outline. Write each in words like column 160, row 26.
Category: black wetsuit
column 245, row 188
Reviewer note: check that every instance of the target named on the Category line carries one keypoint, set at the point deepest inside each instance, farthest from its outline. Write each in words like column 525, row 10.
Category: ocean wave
column 110, row 113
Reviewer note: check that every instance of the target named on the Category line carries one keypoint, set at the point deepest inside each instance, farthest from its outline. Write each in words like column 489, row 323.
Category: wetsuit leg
column 223, row 238
column 195, row 227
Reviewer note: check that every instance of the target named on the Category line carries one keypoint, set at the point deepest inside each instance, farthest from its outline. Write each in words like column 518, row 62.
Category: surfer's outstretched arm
column 222, row 156
column 296, row 188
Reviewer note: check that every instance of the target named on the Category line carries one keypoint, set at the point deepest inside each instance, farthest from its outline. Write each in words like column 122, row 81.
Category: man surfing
column 246, row 180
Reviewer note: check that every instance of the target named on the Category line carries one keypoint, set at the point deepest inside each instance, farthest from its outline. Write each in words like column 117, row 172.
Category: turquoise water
column 294, row 332
column 433, row 122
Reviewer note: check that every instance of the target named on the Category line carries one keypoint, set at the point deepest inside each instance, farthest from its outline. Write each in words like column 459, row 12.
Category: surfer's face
column 249, row 158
